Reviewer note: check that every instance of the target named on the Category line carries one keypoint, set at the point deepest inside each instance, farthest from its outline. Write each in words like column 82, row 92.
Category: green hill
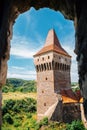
column 13, row 85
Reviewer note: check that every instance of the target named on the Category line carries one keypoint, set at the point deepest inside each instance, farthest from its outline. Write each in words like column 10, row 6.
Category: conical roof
column 52, row 44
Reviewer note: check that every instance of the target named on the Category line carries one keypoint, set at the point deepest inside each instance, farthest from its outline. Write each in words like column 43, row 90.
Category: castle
column 54, row 95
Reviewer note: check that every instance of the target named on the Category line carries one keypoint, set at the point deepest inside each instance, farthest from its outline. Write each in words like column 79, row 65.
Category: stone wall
column 71, row 111
column 45, row 93
column 62, row 79
column 53, row 74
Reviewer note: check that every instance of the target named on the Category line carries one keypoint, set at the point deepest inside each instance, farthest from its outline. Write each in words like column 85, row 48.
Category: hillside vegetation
column 14, row 85
column 20, row 107
column 21, row 115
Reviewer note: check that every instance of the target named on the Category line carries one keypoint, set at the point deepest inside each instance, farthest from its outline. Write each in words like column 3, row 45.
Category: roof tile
column 52, row 44
column 68, row 96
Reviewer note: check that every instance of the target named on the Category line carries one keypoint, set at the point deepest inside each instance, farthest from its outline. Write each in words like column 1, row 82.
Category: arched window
column 50, row 66
column 44, row 66
column 41, row 67
column 47, row 66
column 67, row 68
column 37, row 59
column 53, row 65
column 37, row 68
column 58, row 66
column 63, row 67
column 48, row 57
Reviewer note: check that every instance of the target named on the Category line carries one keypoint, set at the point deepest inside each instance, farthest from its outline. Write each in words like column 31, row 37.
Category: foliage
column 75, row 125
column 25, row 105
column 75, row 87
column 18, row 114
column 7, row 118
column 13, row 85
column 44, row 121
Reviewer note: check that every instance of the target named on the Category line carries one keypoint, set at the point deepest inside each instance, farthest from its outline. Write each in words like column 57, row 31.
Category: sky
column 29, row 35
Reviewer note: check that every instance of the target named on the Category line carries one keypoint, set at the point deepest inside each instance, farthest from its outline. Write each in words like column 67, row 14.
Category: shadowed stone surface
column 75, row 10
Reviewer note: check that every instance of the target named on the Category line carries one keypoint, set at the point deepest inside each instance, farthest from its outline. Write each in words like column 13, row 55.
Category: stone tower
column 52, row 65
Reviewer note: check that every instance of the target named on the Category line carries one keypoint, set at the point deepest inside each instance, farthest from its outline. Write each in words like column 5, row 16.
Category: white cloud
column 23, row 47
column 17, row 68
column 22, row 76
column 21, row 72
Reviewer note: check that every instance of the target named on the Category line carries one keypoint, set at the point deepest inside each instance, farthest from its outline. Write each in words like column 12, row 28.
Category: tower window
column 42, row 91
column 48, row 57
column 44, row 104
column 46, row 78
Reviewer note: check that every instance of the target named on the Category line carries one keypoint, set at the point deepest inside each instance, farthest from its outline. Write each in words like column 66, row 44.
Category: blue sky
column 29, row 35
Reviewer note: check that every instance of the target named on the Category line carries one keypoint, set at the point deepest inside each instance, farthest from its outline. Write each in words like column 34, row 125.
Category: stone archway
column 75, row 10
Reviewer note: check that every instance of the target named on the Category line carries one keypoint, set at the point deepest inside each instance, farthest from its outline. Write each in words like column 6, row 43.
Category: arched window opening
column 47, row 66
column 56, row 66
column 67, row 68
column 44, row 66
column 48, row 57
column 41, row 67
column 60, row 66
column 50, row 66
column 36, row 68
column 63, row 67
column 37, row 59
column 53, row 65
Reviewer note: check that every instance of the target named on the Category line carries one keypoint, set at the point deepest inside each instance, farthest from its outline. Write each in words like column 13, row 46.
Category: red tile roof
column 52, row 44
column 68, row 96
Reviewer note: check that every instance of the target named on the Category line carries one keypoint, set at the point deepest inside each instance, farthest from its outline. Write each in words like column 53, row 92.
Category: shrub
column 9, row 104
column 75, row 125
column 4, row 110
column 29, row 115
column 17, row 124
column 44, row 121
column 8, row 118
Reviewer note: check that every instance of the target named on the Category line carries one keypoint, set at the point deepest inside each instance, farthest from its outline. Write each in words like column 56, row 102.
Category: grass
column 18, row 95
